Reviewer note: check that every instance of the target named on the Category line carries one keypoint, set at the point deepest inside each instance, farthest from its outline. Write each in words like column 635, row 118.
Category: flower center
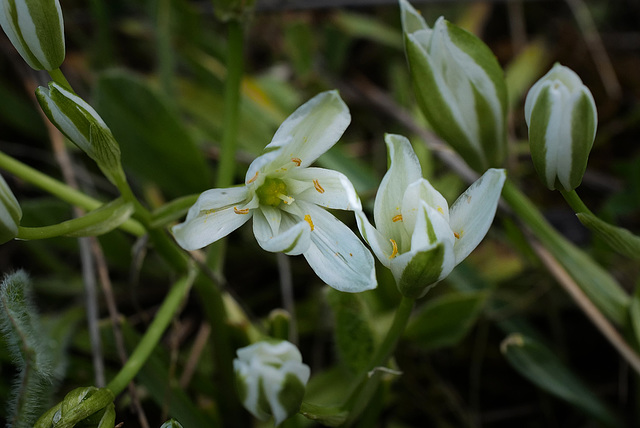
column 272, row 192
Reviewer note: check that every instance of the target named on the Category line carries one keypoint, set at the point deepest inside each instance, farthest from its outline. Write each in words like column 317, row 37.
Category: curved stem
column 575, row 202
column 58, row 77
column 153, row 334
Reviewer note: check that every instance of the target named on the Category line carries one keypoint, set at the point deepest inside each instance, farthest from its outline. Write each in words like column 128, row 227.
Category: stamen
column 253, row 179
column 307, row 218
column 241, row 211
column 397, row 218
column 457, row 235
column 394, row 252
column 297, row 161
column 318, row 186
column 286, row 199
column 440, row 210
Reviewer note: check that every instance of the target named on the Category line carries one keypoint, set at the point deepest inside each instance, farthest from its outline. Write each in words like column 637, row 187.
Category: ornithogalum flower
column 36, row 30
column 416, row 235
column 562, row 119
column 271, row 379
column 286, row 199
column 459, row 86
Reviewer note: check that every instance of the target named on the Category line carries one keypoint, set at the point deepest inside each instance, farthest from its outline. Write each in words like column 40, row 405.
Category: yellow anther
column 457, row 235
column 397, row 218
column 394, row 252
column 307, row 218
column 440, row 210
column 297, row 161
column 318, row 186
column 255, row 177
column 241, row 211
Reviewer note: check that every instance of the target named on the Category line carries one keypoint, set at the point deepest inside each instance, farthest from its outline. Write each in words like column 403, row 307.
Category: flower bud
column 271, row 379
column 459, row 86
column 10, row 213
column 81, row 124
column 562, row 119
column 35, row 29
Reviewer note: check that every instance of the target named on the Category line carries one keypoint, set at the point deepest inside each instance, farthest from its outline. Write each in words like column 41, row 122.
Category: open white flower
column 285, row 199
column 416, row 235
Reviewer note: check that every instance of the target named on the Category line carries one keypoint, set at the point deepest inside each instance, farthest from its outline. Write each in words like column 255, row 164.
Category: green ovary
column 272, row 191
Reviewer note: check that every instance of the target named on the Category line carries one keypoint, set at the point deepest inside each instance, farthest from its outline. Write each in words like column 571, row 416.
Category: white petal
column 404, row 170
column 336, row 254
column 473, row 212
column 311, row 130
column 324, row 187
column 437, row 231
column 381, row 246
column 216, row 213
column 292, row 238
column 411, row 19
column 418, row 192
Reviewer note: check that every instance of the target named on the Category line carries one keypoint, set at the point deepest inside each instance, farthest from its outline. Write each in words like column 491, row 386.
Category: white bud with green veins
column 562, row 119
column 459, row 86
column 10, row 213
column 271, row 379
column 36, row 30
column 81, row 124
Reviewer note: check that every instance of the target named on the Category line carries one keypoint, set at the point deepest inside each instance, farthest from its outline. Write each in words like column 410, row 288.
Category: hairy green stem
column 61, row 190
column 150, row 340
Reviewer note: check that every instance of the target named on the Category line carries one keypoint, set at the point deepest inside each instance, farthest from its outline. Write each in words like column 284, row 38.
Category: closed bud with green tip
column 459, row 86
column 10, row 213
column 271, row 379
column 36, row 30
column 81, row 124
column 562, row 119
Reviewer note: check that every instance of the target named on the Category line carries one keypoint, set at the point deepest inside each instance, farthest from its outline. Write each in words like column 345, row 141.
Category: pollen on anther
column 440, row 210
column 394, row 251
column 457, row 235
column 397, row 218
column 318, row 186
column 253, row 179
column 241, row 211
column 297, row 161
column 307, row 218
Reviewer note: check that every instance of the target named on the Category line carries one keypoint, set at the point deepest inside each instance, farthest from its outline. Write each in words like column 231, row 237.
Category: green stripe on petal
column 583, row 128
column 422, row 272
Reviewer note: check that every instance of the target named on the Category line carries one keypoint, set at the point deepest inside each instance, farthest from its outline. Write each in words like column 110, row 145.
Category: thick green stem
column 367, row 381
column 60, row 190
column 151, row 338
column 58, row 77
column 597, row 283
column 575, row 202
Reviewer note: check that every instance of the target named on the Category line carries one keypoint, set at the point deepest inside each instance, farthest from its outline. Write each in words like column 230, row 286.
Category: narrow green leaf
column 618, row 238
column 446, row 320
column 634, row 313
column 540, row 365
column 353, row 335
column 327, row 416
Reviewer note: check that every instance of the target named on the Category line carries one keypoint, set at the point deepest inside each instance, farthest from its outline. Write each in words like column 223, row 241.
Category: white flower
column 416, row 235
column 36, row 30
column 286, row 199
column 271, row 379
column 459, row 86
column 562, row 119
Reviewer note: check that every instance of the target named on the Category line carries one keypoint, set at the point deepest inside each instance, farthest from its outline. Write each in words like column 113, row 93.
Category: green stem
column 153, row 334
column 60, row 190
column 575, row 202
column 233, row 86
column 58, row 77
column 87, row 222
column 366, row 384
column 597, row 283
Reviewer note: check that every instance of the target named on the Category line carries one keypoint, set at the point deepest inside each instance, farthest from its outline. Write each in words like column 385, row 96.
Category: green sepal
column 583, row 129
column 327, row 416
column 619, row 239
column 422, row 272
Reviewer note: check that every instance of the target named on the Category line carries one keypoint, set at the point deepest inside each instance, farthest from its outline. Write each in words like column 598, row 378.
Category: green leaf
column 446, row 320
column 327, row 416
column 540, row 365
column 618, row 238
column 353, row 335
column 155, row 144
column 634, row 313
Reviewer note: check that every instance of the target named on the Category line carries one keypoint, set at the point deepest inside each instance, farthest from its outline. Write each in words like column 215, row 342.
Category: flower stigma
column 273, row 191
